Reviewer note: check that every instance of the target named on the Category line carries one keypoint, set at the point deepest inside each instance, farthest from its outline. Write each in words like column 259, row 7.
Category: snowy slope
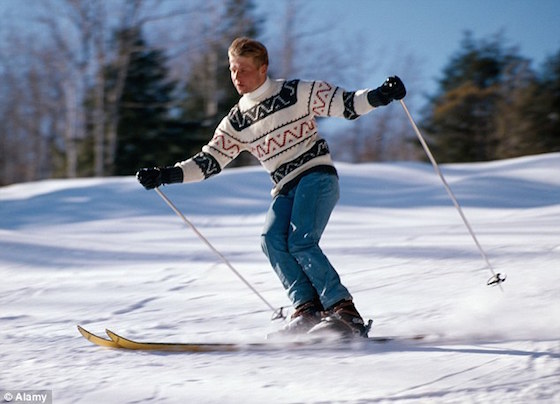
column 105, row 253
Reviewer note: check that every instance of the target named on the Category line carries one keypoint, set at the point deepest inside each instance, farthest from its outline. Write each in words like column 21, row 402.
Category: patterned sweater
column 276, row 123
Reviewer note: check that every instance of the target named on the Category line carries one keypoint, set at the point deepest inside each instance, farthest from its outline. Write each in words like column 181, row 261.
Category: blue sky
column 432, row 29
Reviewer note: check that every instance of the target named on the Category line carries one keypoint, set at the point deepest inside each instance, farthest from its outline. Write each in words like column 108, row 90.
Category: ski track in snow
column 104, row 253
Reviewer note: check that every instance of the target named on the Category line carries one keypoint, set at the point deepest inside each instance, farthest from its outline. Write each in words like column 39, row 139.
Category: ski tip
column 114, row 337
column 95, row 339
column 85, row 333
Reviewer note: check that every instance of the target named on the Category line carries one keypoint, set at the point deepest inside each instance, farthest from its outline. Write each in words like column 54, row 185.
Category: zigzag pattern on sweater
column 320, row 101
column 224, row 145
column 277, row 143
column 207, row 164
column 349, row 110
column 320, row 148
column 286, row 97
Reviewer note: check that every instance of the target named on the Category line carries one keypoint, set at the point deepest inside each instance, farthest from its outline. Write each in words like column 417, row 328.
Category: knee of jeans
column 301, row 242
column 271, row 243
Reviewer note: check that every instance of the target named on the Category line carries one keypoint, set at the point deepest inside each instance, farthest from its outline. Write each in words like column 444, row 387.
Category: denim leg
column 314, row 199
column 294, row 225
column 274, row 242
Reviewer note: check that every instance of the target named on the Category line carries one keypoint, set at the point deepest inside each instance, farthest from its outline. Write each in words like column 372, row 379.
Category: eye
column 235, row 70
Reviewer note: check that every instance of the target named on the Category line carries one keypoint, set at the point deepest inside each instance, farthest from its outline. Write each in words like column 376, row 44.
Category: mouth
column 239, row 87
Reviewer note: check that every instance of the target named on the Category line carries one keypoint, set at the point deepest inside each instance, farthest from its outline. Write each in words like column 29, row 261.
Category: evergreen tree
column 144, row 122
column 514, row 119
column 547, row 95
column 209, row 94
column 462, row 118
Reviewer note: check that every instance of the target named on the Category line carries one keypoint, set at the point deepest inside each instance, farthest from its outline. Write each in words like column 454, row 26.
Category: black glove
column 151, row 178
column 392, row 89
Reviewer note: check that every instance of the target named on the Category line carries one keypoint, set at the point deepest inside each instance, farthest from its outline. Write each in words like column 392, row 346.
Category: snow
column 105, row 253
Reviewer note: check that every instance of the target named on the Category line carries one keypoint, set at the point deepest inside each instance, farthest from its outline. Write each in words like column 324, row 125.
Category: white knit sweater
column 276, row 123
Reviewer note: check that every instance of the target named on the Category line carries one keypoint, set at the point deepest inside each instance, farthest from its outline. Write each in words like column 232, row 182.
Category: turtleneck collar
column 254, row 95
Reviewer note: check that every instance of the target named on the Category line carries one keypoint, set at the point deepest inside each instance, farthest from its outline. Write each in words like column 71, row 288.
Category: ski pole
column 496, row 278
column 219, row 254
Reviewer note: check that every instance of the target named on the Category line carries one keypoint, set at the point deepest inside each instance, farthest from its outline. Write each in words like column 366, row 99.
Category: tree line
column 104, row 88
column 491, row 104
column 86, row 93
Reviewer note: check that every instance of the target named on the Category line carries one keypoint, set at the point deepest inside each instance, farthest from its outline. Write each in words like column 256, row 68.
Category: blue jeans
column 294, row 224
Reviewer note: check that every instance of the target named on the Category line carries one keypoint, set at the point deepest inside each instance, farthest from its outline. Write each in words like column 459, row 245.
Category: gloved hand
column 392, row 89
column 151, row 178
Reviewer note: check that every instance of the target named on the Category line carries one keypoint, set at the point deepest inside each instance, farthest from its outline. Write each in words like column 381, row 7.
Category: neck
column 253, row 95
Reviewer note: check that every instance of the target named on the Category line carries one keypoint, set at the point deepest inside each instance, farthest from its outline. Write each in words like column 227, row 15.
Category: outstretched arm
column 218, row 153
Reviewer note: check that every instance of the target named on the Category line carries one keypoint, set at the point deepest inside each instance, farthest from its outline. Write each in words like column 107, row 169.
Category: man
column 275, row 121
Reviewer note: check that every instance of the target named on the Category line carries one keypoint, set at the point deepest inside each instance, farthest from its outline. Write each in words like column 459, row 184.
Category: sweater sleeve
column 215, row 155
column 329, row 100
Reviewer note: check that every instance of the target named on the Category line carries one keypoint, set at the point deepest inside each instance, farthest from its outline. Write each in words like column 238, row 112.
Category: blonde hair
column 248, row 47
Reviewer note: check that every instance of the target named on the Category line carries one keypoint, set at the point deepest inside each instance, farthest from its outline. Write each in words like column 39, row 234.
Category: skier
column 275, row 121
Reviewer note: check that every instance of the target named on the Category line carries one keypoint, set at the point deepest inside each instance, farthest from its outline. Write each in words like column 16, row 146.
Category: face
column 246, row 75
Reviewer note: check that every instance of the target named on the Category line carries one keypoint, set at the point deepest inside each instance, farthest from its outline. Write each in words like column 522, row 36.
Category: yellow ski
column 175, row 347
column 96, row 339
column 119, row 342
